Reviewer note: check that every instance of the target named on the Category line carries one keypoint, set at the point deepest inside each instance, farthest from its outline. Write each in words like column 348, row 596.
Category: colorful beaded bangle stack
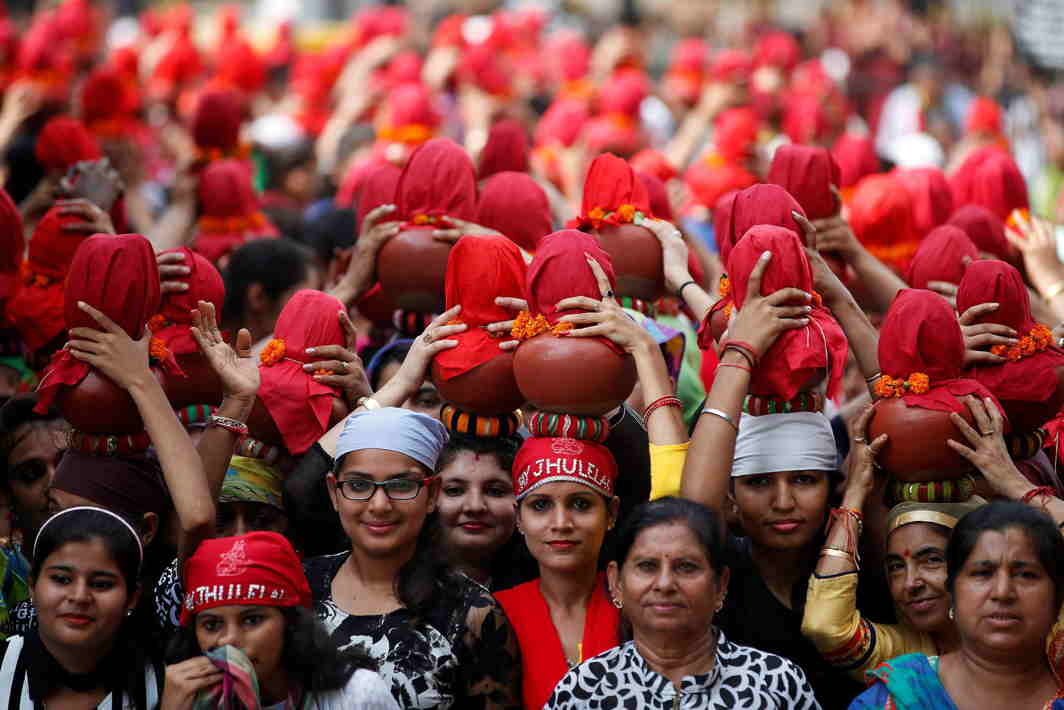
column 110, row 444
column 460, row 422
column 1024, row 446
column 569, row 426
column 956, row 491
column 195, row 415
column 805, row 402
column 637, row 304
column 411, row 323
column 275, row 456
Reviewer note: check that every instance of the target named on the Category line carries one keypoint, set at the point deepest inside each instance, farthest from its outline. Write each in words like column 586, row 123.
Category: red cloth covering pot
column 711, row 177
column 731, row 65
column 408, row 116
column 800, row 358
column 735, row 134
column 229, row 210
column 943, row 256
column 1034, row 369
column 300, row 407
column 216, row 122
column 63, row 142
column 101, row 262
column 12, row 247
column 654, row 162
column 438, row 182
column 932, row 200
column 178, row 67
column 881, row 216
column 618, row 126
column 991, row 178
column 985, row 229
column 368, row 186
column 36, row 308
column 686, row 73
column 657, row 194
column 514, row 204
column 108, row 104
column 857, row 159
column 476, row 375
column 585, row 376
column 983, row 118
column 506, row 149
column 807, row 173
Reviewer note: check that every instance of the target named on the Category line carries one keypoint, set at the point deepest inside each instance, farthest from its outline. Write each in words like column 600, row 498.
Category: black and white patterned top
column 742, row 678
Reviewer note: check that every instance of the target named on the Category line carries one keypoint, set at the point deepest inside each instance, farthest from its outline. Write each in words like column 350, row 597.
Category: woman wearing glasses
column 439, row 639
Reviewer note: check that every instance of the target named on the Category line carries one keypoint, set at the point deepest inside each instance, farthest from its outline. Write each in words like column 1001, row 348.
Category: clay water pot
column 411, row 267
column 200, row 386
column 96, row 405
column 489, row 388
column 637, row 261
column 565, row 375
column 916, row 450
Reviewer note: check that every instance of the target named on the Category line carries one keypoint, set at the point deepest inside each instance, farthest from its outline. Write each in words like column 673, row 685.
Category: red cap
column 258, row 568
column 798, row 354
column 562, row 123
column 515, row 204
column 881, row 215
column 932, row 199
column 543, row 460
column 485, row 68
column 438, row 182
column 735, row 134
column 229, row 210
column 65, row 141
column 479, row 269
column 943, row 256
column 105, row 97
column 808, row 174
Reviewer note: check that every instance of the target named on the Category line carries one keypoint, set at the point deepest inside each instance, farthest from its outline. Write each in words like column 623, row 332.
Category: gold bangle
column 833, row 552
column 1054, row 290
column 367, row 403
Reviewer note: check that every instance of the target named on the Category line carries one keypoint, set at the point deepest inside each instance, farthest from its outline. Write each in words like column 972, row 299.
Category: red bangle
column 668, row 400
column 743, row 349
column 736, row 365
column 1043, row 491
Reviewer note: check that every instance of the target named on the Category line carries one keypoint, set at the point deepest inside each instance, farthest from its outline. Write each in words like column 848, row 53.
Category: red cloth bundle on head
column 405, row 68
column 777, row 49
column 807, row 173
column 767, row 204
column 686, row 73
column 658, row 196
column 1029, row 374
column 108, row 103
column 985, row 229
column 857, row 159
column 100, row 262
column 216, row 122
column 259, row 568
column 548, row 459
column 991, row 178
column 506, row 149
column 794, row 360
column 881, row 216
column 653, row 162
column 178, row 67
column 921, row 343
column 240, row 66
column 376, row 188
column 612, row 194
column 36, row 309
column 229, row 210
column 379, row 21
column 943, row 256
column 711, row 178
column 438, row 182
column 479, row 270
column 63, row 142
column 805, row 119
column 731, row 65
column 618, row 126
column 408, row 116
column 515, row 204
column 298, row 405
column 12, row 246
column 562, row 123
column 44, row 57
column 932, row 199
column 483, row 67
column 172, row 323
column 735, row 134
column 559, row 270
column 983, row 118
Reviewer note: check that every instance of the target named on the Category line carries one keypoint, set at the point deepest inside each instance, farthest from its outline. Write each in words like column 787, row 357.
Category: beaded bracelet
column 668, row 400
column 232, row 425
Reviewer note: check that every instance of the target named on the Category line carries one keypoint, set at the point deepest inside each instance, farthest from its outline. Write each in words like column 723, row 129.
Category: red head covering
column 379, row 21
column 12, row 246
column 229, row 210
column 857, row 159
column 991, row 178
column 612, row 194
column 618, row 126
column 258, row 568
column 506, row 149
column 409, row 115
column 983, row 117
column 36, row 309
column 921, row 336
column 562, row 123
column 806, row 119
column 515, row 204
column 479, row 269
column 438, row 182
column 735, row 134
column 299, row 406
column 240, row 66
column 943, row 256
column 487, row 69
column 560, row 270
column 64, row 141
column 1029, row 375
column 777, row 49
column 369, row 186
column 687, row 70
column 544, row 460
column 711, row 178
column 171, row 325
column 653, row 162
column 44, row 56
column 881, row 215
column 808, row 174
column 767, row 204
column 798, row 354
column 732, row 65
column 216, row 121
column 179, row 66
column 404, row 68
column 657, row 194
column 107, row 102
column 932, row 200
column 102, row 261
column 985, row 229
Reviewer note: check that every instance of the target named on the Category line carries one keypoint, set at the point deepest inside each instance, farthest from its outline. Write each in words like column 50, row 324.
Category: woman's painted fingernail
column 310, row 351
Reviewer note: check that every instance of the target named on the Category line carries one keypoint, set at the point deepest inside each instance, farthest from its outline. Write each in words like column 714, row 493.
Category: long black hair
column 276, row 264
column 309, row 656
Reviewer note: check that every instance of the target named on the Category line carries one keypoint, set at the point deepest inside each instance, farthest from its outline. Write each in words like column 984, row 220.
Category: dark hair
column 999, row 516
column 700, row 520
column 393, row 352
column 276, row 264
column 331, row 229
column 15, row 412
column 85, row 525
column 503, row 448
column 309, row 655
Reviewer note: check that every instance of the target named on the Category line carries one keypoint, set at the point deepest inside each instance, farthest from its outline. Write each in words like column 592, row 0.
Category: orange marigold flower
column 422, row 219
column 626, row 212
column 1042, row 335
column 157, row 349
column 724, row 287
column 886, row 386
column 918, row 383
column 157, row 322
column 596, row 213
column 728, row 307
column 273, row 352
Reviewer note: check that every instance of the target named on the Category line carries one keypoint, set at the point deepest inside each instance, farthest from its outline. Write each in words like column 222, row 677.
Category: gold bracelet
column 833, row 552
column 1054, row 290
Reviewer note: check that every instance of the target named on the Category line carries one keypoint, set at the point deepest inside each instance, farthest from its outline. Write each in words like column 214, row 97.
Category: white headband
column 119, row 518
column 798, row 441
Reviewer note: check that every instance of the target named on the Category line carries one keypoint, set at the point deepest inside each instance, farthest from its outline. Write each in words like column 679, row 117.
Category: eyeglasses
column 362, row 489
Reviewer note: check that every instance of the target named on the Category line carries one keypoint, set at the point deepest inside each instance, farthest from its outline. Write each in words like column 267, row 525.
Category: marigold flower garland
column 916, row 383
column 624, row 214
column 528, row 326
column 273, row 352
column 1038, row 339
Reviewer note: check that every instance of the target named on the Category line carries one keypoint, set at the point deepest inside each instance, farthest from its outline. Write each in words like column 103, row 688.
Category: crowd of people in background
column 468, row 355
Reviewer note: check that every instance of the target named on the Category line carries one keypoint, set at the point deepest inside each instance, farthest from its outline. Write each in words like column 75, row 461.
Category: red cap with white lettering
column 543, row 460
